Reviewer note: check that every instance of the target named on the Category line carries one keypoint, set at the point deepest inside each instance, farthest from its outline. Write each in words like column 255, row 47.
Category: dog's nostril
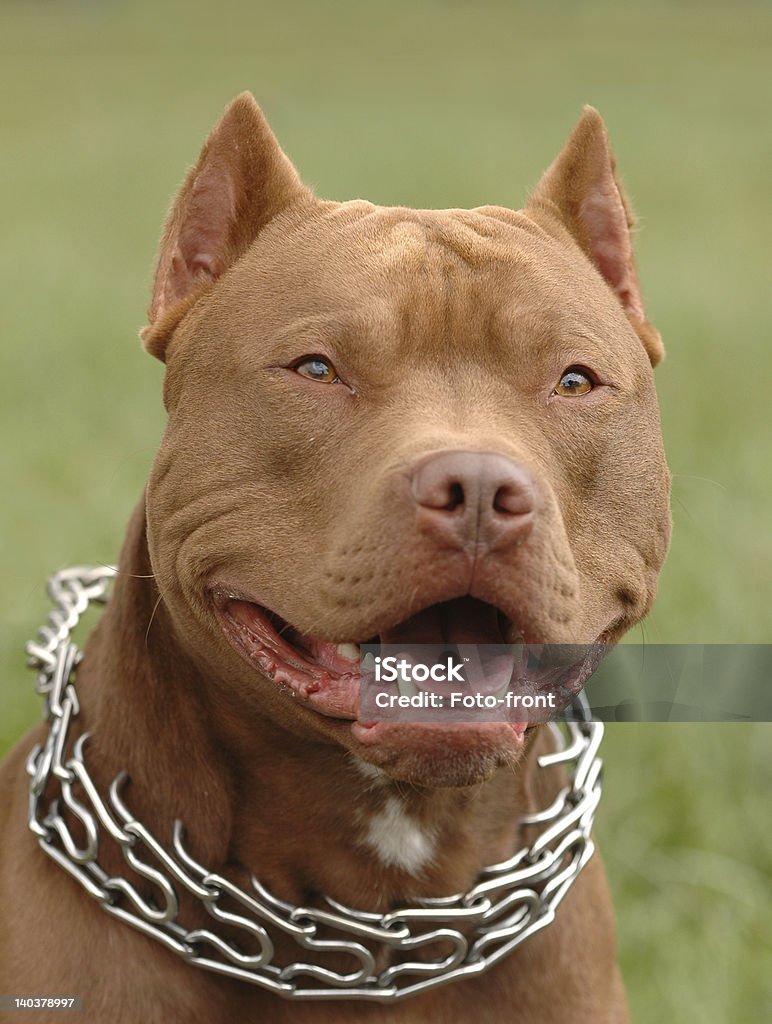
column 513, row 499
column 455, row 497
column 438, row 491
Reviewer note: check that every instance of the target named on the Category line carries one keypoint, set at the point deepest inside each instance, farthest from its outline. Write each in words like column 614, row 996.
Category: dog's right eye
column 317, row 368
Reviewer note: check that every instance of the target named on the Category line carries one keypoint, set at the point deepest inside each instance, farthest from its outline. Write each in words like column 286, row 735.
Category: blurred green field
column 103, row 106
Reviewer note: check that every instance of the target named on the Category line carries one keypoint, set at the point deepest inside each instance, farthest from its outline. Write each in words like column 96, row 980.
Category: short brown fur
column 450, row 329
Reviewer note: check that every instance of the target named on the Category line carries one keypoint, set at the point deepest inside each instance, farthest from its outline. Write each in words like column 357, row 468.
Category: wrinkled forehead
column 416, row 274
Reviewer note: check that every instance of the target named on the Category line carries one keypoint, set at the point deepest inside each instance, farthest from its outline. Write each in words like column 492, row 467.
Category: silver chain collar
column 511, row 901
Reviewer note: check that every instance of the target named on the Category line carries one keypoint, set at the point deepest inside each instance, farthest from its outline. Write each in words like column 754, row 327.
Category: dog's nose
column 474, row 497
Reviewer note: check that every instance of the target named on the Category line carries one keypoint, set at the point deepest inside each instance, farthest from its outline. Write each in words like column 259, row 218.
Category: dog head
column 412, row 425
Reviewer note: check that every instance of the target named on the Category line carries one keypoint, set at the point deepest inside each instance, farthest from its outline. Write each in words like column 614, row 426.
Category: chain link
column 511, row 901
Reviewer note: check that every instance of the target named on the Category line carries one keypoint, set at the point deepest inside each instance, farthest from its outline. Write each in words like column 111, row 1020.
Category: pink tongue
column 464, row 620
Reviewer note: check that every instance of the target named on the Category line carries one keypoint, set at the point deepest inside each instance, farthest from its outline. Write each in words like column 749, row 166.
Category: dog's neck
column 305, row 817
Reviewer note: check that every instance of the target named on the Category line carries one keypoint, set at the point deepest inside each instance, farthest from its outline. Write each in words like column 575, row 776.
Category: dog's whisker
column 703, row 479
column 126, row 573
column 152, row 616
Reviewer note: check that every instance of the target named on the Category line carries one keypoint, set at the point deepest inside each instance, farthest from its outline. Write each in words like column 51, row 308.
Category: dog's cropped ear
column 581, row 192
column 241, row 181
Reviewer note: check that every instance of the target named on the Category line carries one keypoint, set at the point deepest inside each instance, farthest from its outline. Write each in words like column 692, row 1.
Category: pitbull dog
column 412, row 425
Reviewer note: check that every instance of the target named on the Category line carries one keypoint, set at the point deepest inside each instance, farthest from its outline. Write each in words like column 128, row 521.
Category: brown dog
column 412, row 424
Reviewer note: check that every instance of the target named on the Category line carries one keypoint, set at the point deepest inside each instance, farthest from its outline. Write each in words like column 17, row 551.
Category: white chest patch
column 398, row 839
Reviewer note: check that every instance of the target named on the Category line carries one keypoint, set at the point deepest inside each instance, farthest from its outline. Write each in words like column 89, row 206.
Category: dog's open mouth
column 326, row 676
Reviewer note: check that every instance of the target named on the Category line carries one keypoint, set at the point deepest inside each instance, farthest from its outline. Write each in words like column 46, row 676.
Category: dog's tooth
column 407, row 687
column 500, row 693
column 519, row 652
column 349, row 651
column 368, row 662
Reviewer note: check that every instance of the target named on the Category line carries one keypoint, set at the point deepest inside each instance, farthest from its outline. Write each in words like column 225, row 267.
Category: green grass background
column 102, row 107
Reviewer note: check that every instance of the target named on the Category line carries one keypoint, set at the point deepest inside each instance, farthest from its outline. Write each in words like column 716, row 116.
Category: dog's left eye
column 575, row 381
column 316, row 368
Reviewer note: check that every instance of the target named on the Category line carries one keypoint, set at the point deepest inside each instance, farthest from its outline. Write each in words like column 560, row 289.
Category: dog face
column 409, row 425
